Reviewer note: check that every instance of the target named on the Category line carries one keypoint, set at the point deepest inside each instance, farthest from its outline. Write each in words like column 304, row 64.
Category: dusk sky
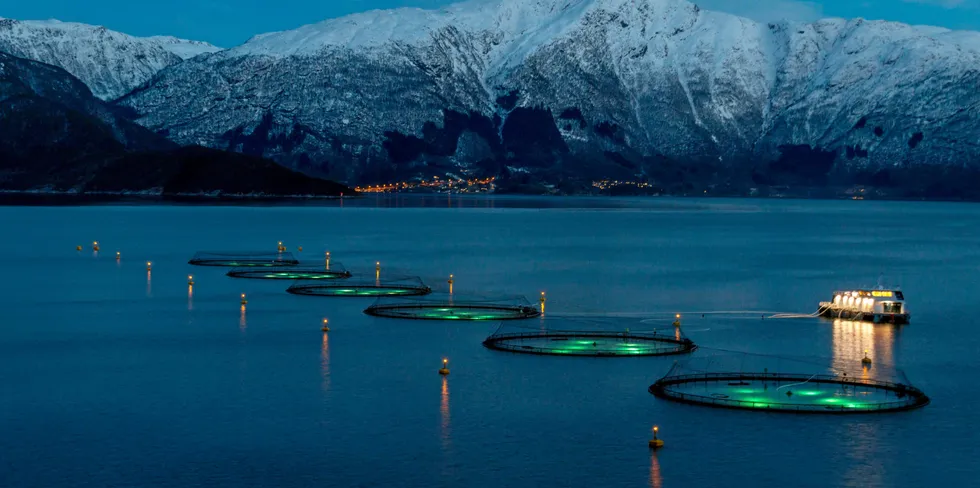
column 227, row 23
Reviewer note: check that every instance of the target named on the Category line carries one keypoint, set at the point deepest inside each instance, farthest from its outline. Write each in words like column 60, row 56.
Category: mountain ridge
column 580, row 89
column 350, row 97
column 56, row 136
column 110, row 63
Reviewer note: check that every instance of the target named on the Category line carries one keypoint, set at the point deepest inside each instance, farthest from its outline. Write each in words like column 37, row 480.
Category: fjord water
column 113, row 377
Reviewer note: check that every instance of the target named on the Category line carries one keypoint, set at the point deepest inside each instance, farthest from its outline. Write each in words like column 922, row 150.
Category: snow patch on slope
column 110, row 63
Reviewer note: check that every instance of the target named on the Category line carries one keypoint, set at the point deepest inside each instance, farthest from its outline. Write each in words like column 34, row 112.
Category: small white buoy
column 244, row 301
column 190, row 279
column 325, row 328
column 149, row 265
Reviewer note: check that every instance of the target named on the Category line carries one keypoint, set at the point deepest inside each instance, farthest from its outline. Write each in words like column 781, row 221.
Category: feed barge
column 878, row 306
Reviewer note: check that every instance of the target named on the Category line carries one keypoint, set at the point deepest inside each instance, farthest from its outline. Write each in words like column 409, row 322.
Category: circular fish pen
column 830, row 390
column 592, row 338
column 244, row 259
column 405, row 287
column 290, row 273
column 452, row 308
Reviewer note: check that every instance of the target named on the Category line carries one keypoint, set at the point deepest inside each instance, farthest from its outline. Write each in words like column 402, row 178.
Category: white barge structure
column 878, row 306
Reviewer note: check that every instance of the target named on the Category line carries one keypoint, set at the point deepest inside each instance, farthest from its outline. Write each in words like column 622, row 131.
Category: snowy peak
column 110, row 63
column 524, row 22
column 609, row 83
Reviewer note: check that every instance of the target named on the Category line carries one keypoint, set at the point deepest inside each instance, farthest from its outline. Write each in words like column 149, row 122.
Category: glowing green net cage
column 452, row 307
column 397, row 287
column 595, row 337
column 336, row 272
column 244, row 259
column 779, row 384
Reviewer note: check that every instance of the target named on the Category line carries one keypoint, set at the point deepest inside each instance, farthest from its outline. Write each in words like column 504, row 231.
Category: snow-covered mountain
column 608, row 83
column 110, row 63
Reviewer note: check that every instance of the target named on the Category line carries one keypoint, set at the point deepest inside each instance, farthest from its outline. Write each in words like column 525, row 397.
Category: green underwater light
column 314, row 275
column 359, row 291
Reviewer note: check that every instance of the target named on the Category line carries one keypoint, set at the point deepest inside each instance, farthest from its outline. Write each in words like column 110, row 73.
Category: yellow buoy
column 190, row 279
column 450, row 284
column 95, row 246
column 117, row 256
column 281, row 247
column 656, row 442
column 149, row 265
column 325, row 328
column 78, row 248
column 300, row 248
column 542, row 300
column 677, row 320
column 866, row 360
column 445, row 367
column 328, row 259
column 377, row 270
column 244, row 301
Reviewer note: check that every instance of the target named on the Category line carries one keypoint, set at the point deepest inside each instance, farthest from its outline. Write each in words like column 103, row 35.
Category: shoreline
column 15, row 198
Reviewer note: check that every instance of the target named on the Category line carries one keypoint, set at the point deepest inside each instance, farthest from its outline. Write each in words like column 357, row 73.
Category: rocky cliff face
column 109, row 62
column 579, row 87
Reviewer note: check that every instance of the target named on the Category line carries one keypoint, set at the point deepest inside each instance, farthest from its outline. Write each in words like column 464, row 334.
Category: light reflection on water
column 325, row 362
column 159, row 403
column 853, row 339
column 656, row 479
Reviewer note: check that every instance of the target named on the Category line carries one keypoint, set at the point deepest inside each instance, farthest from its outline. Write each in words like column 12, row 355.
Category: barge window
column 892, row 307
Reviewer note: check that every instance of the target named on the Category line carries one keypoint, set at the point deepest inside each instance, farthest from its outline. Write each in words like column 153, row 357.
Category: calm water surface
column 110, row 376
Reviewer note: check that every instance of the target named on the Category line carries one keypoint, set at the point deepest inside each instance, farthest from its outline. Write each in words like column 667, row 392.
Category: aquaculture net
column 598, row 337
column 298, row 272
column 454, row 307
column 234, row 259
column 403, row 287
column 774, row 383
